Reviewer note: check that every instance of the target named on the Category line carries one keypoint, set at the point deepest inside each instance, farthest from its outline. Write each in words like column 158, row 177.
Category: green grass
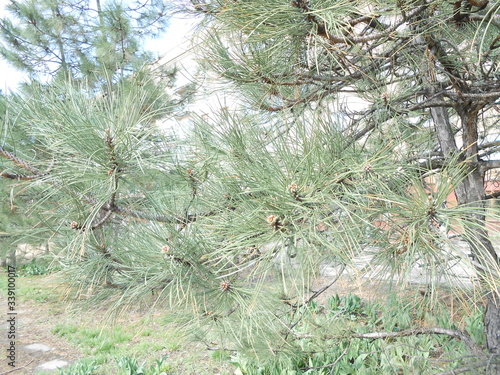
column 29, row 289
column 134, row 348
column 93, row 341
column 153, row 345
column 128, row 349
column 142, row 342
column 221, row 355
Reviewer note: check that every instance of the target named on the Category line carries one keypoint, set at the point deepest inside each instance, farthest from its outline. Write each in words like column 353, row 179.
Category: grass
column 94, row 341
column 136, row 344
column 28, row 288
column 132, row 349
column 139, row 344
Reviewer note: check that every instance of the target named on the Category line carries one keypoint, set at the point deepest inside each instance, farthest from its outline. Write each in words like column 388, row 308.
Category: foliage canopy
column 350, row 109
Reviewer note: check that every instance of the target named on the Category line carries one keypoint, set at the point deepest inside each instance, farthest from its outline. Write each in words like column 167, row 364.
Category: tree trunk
column 471, row 192
column 492, row 330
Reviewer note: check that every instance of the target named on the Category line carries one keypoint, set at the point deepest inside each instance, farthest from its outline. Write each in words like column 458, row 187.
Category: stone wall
column 24, row 253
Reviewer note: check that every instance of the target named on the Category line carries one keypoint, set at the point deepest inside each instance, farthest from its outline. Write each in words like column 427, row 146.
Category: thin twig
column 318, row 292
column 469, row 367
column 464, row 337
column 330, row 364
column 17, row 369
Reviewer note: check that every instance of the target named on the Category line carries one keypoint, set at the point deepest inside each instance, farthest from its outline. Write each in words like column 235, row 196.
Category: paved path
column 456, row 269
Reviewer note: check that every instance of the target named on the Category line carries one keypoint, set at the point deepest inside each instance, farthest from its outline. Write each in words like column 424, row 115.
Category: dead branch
column 487, row 165
column 17, row 369
column 457, row 334
column 492, row 195
column 475, row 365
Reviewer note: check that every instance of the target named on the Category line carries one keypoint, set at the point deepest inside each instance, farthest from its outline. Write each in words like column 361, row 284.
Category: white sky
column 172, row 44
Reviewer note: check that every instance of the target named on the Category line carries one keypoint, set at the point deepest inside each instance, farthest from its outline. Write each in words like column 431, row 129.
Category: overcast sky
column 172, row 44
column 9, row 77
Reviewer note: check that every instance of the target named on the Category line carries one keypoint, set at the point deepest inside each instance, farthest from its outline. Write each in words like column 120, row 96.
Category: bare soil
column 35, row 321
column 40, row 308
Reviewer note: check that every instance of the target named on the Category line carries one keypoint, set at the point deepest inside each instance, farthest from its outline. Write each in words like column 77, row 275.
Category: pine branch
column 492, row 195
column 20, row 177
column 457, row 334
column 487, row 165
column 360, row 134
column 76, row 226
column 19, row 162
column 431, row 164
column 492, row 150
column 173, row 219
column 487, row 96
column 467, row 369
column 489, row 145
column 321, row 27
column 429, row 104
column 110, row 207
column 427, row 155
column 316, row 95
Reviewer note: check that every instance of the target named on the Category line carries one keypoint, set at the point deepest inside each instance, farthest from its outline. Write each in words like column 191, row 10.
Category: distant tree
column 96, row 42
column 80, row 38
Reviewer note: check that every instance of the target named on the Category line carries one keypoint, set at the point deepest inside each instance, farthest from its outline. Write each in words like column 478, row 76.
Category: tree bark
column 471, row 192
column 492, row 332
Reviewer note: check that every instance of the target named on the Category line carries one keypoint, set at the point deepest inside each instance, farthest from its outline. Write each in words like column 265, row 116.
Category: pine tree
column 78, row 39
column 233, row 228
column 98, row 43
column 425, row 84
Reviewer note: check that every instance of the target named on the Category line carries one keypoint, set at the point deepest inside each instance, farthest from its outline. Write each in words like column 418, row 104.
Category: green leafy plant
column 474, row 325
column 124, row 366
column 335, row 353
column 80, row 368
column 130, row 366
column 350, row 304
column 34, row 268
column 221, row 355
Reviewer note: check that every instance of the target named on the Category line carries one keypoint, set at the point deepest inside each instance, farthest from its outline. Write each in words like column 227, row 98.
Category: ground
column 43, row 318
